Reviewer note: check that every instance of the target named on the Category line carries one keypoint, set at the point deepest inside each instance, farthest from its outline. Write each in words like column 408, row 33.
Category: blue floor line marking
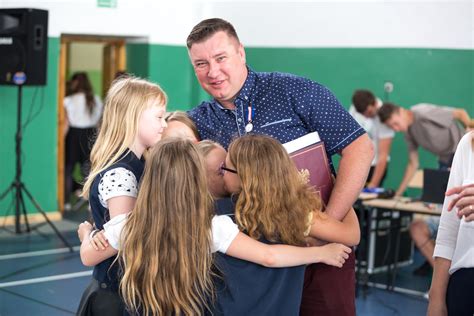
column 47, row 279
column 37, row 253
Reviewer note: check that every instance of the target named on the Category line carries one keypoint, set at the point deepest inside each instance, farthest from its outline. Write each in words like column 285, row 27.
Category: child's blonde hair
column 166, row 252
column 182, row 117
column 126, row 99
column 206, row 146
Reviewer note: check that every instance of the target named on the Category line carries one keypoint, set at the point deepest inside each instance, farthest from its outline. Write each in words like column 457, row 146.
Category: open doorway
column 101, row 58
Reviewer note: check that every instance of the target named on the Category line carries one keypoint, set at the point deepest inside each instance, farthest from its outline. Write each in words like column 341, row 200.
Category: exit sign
column 107, row 3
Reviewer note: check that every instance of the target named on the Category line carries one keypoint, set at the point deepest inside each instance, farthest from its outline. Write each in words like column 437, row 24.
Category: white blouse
column 117, row 182
column 77, row 113
column 455, row 239
column 224, row 231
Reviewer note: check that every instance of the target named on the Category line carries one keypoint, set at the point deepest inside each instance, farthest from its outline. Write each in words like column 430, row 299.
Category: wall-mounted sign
column 107, row 3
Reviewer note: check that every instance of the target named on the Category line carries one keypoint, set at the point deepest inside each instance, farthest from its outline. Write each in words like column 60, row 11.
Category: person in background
column 286, row 107
column 438, row 129
column 83, row 112
column 364, row 109
column 453, row 278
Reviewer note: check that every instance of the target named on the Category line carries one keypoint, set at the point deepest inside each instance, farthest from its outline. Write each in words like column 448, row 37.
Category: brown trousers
column 328, row 290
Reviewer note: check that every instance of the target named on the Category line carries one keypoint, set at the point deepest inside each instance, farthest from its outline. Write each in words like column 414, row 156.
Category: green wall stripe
column 439, row 76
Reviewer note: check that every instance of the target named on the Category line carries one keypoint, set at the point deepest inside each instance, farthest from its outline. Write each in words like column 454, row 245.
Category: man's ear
column 241, row 51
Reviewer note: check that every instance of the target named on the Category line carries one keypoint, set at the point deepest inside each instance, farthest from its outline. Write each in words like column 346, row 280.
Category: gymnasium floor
column 39, row 276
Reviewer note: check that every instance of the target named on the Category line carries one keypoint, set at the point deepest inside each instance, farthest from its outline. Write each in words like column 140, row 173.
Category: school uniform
column 120, row 179
column 246, row 288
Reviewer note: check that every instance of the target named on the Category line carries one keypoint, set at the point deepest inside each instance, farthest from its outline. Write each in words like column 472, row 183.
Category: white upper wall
column 265, row 23
column 433, row 24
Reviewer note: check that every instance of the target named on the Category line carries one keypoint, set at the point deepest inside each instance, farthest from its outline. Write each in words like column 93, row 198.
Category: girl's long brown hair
column 166, row 253
column 82, row 84
column 274, row 200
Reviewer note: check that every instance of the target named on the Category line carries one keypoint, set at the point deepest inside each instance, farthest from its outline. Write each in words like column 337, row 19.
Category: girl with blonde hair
column 180, row 125
column 133, row 120
column 273, row 203
column 214, row 154
column 166, row 243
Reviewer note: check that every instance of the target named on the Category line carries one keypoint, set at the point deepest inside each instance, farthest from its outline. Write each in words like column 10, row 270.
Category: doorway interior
column 101, row 57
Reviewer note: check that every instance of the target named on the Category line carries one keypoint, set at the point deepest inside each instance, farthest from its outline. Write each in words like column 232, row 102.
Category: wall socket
column 388, row 86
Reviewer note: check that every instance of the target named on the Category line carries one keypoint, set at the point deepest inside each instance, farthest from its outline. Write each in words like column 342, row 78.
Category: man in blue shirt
column 285, row 107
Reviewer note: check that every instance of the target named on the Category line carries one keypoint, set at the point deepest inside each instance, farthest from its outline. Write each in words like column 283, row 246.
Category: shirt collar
column 249, row 84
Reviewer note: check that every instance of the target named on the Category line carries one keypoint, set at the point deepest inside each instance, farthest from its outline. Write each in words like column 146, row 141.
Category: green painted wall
column 419, row 75
column 168, row 66
column 138, row 59
column 39, row 138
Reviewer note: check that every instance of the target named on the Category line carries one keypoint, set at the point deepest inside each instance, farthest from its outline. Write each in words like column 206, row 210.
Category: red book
column 309, row 155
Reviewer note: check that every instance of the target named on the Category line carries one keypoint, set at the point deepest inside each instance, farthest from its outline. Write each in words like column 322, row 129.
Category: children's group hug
column 204, row 212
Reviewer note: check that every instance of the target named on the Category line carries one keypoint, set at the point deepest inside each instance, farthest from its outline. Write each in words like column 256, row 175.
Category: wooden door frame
column 120, row 63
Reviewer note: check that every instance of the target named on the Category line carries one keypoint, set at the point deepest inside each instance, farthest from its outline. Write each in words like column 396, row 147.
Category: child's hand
column 84, row 229
column 99, row 241
column 334, row 254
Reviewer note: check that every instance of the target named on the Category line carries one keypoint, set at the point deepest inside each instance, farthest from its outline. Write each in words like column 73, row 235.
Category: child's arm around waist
column 229, row 240
column 118, row 207
column 329, row 229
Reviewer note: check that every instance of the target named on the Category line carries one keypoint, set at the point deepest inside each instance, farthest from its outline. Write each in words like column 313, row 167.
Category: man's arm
column 410, row 171
column 352, row 173
column 382, row 158
column 462, row 116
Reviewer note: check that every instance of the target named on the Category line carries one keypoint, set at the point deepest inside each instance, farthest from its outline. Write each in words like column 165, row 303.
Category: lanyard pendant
column 249, row 127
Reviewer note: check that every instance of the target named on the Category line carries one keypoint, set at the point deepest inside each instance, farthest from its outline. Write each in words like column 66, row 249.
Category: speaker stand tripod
column 19, row 188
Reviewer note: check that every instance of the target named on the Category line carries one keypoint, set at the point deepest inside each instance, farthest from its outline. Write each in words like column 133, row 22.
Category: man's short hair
column 206, row 28
column 362, row 99
column 387, row 110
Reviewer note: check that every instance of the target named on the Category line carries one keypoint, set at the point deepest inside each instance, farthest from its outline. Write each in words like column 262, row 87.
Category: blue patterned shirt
column 285, row 107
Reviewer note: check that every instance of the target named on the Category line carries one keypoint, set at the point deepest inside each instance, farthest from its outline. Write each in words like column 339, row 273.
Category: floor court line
column 37, row 253
column 397, row 289
column 47, row 279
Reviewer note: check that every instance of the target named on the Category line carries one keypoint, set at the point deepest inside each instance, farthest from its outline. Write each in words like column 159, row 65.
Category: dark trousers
column 78, row 150
column 100, row 301
column 328, row 290
column 460, row 293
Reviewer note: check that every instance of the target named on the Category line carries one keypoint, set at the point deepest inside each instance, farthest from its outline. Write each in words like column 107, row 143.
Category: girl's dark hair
column 80, row 83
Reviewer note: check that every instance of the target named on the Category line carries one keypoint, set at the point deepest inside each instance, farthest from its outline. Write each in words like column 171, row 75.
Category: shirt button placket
column 239, row 120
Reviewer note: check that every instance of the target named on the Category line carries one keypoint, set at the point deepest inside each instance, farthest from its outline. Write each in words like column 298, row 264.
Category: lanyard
column 250, row 115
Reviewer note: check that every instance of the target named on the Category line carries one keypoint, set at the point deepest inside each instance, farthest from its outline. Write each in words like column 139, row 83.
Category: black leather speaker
column 23, row 46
